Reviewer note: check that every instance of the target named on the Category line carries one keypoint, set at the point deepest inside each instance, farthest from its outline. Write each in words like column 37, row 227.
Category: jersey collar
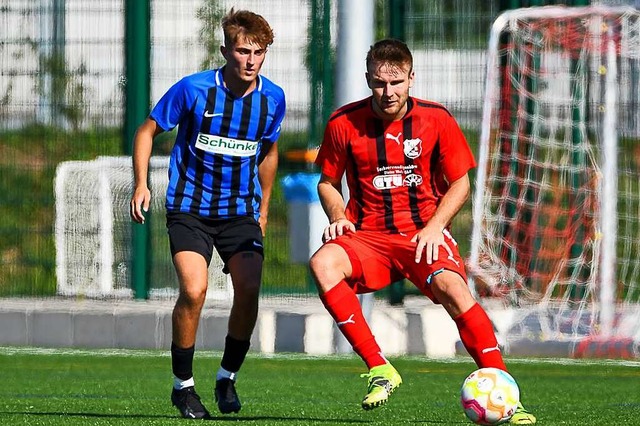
column 220, row 80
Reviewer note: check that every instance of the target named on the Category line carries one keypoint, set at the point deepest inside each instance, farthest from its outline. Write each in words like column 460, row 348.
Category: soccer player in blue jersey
column 221, row 172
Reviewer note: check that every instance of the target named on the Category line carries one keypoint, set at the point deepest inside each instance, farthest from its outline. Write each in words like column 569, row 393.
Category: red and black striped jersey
column 397, row 171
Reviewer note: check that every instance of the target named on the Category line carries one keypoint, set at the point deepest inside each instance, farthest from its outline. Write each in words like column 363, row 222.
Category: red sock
column 343, row 305
column 476, row 333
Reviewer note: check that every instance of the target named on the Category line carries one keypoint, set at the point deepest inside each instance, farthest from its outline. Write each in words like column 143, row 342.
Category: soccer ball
column 489, row 396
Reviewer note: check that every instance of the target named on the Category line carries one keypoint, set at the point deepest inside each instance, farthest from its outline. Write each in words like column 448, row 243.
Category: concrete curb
column 293, row 325
column 285, row 324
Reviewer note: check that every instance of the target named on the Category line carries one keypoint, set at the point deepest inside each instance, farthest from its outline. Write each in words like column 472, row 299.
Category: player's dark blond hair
column 251, row 26
column 390, row 51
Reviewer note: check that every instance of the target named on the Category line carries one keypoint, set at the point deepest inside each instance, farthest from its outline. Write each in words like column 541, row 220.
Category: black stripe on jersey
column 434, row 166
column 412, row 189
column 264, row 110
column 262, row 124
column 236, row 169
column 387, row 199
column 251, row 185
column 216, row 171
column 205, row 127
column 434, row 105
column 245, row 117
column 183, row 164
column 357, row 194
column 355, row 107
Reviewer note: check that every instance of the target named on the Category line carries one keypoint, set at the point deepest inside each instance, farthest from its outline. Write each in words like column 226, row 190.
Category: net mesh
column 557, row 197
column 93, row 231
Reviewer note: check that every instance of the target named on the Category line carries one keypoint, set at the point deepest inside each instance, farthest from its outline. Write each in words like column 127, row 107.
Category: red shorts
column 380, row 259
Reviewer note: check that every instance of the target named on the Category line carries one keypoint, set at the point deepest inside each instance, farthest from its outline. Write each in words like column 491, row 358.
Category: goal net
column 93, row 231
column 556, row 208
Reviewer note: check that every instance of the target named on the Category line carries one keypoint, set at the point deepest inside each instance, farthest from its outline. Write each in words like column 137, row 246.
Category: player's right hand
column 139, row 204
column 337, row 228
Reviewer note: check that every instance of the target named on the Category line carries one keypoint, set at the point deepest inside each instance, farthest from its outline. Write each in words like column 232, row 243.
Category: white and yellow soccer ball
column 489, row 396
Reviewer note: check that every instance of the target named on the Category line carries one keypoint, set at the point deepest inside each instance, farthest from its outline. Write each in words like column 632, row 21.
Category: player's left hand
column 429, row 240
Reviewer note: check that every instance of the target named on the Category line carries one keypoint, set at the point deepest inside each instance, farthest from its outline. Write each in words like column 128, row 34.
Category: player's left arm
column 430, row 238
column 266, row 175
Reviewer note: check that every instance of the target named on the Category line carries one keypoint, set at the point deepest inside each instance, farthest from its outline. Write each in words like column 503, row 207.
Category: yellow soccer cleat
column 522, row 416
column 383, row 380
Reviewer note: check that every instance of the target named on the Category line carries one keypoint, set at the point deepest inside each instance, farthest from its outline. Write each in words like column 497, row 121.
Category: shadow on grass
column 212, row 418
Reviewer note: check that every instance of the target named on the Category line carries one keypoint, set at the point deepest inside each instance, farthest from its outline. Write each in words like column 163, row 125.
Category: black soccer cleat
column 226, row 396
column 188, row 402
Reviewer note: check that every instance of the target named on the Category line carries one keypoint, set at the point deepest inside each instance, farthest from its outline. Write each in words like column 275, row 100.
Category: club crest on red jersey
column 412, row 147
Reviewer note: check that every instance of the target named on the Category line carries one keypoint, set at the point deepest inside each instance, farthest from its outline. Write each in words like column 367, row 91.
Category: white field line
column 141, row 353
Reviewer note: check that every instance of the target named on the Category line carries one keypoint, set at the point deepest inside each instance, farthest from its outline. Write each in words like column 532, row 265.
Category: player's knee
column 449, row 286
column 453, row 293
column 193, row 295
column 328, row 268
column 248, row 290
column 323, row 262
column 317, row 262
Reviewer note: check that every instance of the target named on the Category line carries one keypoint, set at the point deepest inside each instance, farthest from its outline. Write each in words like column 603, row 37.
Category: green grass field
column 73, row 387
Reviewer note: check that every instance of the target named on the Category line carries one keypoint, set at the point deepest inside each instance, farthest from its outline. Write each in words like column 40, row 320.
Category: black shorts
column 188, row 232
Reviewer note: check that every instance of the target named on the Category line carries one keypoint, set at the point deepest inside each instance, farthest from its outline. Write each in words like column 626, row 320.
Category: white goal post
column 93, row 230
column 556, row 207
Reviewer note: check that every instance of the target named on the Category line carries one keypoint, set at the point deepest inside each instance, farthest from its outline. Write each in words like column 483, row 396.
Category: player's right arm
column 330, row 194
column 331, row 159
column 142, row 143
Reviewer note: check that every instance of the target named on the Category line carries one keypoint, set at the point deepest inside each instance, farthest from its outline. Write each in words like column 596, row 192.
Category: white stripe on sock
column 181, row 384
column 225, row 374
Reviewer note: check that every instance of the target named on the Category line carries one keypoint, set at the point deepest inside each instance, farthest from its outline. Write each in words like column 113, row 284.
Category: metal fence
column 62, row 82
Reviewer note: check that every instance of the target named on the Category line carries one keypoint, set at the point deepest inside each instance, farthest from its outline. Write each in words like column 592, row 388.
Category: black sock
column 234, row 353
column 182, row 361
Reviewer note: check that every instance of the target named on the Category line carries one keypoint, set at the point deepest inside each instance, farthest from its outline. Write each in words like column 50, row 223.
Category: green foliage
column 210, row 15
column 381, row 18
column 28, row 161
column 5, row 100
column 101, row 388
column 320, row 60
column 27, row 253
column 67, row 91
column 28, row 158
column 456, row 24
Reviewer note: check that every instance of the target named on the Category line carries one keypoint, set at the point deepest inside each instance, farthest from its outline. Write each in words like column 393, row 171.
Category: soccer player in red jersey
column 406, row 163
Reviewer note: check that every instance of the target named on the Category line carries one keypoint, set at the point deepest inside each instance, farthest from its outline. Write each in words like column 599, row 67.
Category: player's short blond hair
column 390, row 51
column 251, row 26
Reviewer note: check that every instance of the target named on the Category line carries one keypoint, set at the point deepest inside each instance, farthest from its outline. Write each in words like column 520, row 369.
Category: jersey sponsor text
column 228, row 146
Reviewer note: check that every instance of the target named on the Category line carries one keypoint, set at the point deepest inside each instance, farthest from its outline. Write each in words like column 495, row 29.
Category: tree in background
column 210, row 14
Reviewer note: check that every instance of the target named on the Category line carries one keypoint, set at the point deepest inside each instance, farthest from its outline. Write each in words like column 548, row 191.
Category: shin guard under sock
column 478, row 337
column 343, row 305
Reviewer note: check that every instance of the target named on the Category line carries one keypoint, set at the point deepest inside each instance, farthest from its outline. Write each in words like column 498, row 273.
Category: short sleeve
column 332, row 154
column 171, row 107
column 456, row 156
column 276, row 126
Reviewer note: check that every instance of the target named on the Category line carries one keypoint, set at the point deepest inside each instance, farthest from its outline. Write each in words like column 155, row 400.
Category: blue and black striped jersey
column 213, row 169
